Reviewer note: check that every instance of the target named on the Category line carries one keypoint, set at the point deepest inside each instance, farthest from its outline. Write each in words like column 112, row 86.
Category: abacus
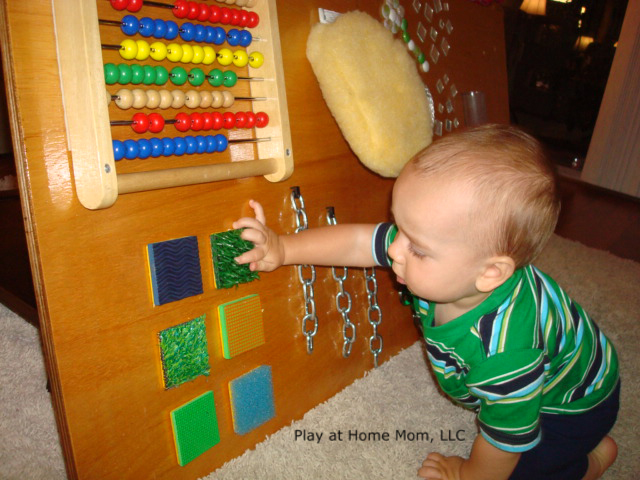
column 120, row 68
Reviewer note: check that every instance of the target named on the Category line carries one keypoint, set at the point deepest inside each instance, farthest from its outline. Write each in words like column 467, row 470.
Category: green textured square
column 183, row 352
column 226, row 246
column 195, row 427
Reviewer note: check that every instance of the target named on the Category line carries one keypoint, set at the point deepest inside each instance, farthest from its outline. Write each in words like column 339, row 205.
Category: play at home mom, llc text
column 397, row 435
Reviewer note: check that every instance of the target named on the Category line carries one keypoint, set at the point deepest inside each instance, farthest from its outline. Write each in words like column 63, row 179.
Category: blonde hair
column 515, row 195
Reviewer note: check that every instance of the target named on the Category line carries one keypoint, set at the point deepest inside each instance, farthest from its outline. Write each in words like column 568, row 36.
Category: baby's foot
column 601, row 458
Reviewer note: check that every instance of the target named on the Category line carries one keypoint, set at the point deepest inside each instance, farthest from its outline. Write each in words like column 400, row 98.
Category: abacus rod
column 114, row 23
column 156, row 4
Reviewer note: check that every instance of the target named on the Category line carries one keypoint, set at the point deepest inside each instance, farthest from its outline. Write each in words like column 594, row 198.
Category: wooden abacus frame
column 87, row 117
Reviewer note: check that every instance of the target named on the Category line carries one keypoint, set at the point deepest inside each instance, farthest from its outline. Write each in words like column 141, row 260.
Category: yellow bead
column 198, row 54
column 174, row 52
column 187, row 53
column 158, row 51
column 225, row 57
column 256, row 60
column 240, row 58
column 209, row 55
column 128, row 49
column 143, row 50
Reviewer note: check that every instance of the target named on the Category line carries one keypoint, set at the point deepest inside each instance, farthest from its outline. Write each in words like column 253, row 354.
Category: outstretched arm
column 339, row 245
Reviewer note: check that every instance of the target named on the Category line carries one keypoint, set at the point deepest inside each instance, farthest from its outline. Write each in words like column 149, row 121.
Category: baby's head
column 516, row 204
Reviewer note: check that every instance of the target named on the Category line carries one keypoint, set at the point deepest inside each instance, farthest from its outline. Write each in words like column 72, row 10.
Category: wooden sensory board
column 98, row 324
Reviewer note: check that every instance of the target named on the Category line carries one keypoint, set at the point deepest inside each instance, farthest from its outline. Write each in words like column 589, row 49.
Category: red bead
column 229, row 120
column 215, row 14
column 119, row 4
column 217, row 120
column 244, row 18
column 183, row 122
column 134, row 6
column 235, row 17
column 196, row 122
column 241, row 119
column 194, row 11
column 254, row 19
column 207, row 121
column 180, row 8
column 225, row 15
column 156, row 122
column 140, row 123
column 251, row 120
column 262, row 119
column 205, row 13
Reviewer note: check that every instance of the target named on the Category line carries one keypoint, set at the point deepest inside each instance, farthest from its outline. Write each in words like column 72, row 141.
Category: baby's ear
column 497, row 271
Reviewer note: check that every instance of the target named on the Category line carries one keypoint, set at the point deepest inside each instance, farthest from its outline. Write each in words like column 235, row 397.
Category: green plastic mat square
column 195, row 427
column 226, row 246
column 183, row 352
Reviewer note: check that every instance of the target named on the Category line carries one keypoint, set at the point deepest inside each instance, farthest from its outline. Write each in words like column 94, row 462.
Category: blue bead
column 187, row 31
column 211, row 143
column 130, row 149
column 245, row 38
column 202, row 144
column 192, row 145
column 220, row 36
column 172, row 30
column 222, row 142
column 210, row 34
column 130, row 25
column 144, row 148
column 147, row 26
column 160, row 28
column 181, row 146
column 201, row 33
column 118, row 150
column 233, row 37
column 168, row 146
column 156, row 147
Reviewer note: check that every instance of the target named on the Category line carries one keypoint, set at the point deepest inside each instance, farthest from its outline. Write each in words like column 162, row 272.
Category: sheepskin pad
column 372, row 87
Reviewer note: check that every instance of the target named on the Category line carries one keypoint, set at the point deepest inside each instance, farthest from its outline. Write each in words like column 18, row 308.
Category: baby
column 471, row 212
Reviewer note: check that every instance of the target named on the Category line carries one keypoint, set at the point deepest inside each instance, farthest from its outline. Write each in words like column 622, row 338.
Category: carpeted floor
column 383, row 425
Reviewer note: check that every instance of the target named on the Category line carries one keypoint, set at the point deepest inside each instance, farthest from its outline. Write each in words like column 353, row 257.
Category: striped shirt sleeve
column 383, row 235
column 509, row 387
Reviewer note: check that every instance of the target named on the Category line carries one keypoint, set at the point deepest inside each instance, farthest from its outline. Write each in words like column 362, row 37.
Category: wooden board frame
column 87, row 117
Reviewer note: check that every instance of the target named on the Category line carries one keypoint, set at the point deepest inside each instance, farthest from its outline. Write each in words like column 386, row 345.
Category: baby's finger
column 248, row 222
column 259, row 211
column 249, row 257
column 257, row 237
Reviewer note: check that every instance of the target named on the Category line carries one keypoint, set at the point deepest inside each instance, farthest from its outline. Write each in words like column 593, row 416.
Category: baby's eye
column 415, row 252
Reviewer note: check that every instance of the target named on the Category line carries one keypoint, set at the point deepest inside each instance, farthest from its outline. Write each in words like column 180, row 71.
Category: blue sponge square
column 252, row 399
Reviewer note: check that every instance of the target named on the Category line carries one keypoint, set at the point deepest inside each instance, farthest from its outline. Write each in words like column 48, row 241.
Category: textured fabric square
column 252, row 401
column 241, row 325
column 175, row 269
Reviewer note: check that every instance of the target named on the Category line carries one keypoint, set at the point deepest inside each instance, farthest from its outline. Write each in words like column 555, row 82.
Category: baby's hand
column 439, row 467
column 267, row 254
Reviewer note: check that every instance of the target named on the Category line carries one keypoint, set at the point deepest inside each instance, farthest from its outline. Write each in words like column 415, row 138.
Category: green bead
column 111, row 73
column 406, row 37
column 404, row 25
column 137, row 74
column 421, row 58
column 149, row 75
column 215, row 77
column 162, row 75
column 196, row 77
column 125, row 73
column 230, row 79
column 178, row 75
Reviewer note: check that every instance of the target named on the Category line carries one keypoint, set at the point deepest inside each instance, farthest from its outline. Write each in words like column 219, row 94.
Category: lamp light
column 534, row 7
column 583, row 42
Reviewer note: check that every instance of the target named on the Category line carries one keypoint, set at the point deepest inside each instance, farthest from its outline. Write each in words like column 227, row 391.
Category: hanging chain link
column 349, row 328
column 310, row 319
column 373, row 313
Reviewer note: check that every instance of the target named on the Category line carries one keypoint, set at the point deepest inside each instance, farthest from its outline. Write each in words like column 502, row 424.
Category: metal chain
column 349, row 328
column 310, row 319
column 374, row 314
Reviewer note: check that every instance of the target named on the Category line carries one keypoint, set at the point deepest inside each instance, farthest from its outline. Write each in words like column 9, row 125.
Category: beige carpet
column 398, row 397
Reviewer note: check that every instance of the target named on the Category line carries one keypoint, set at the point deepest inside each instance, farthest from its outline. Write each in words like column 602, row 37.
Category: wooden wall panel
column 98, row 322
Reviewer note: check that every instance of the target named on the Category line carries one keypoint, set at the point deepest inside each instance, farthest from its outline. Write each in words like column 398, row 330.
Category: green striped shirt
column 527, row 349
